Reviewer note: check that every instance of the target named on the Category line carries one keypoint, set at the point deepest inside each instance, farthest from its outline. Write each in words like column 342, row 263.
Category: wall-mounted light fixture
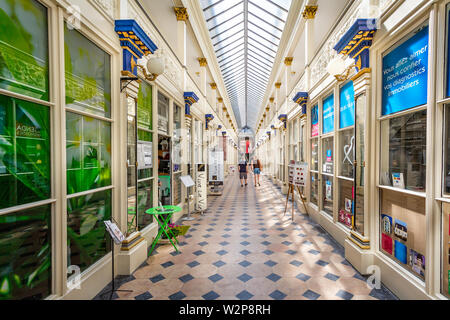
column 154, row 68
column 340, row 68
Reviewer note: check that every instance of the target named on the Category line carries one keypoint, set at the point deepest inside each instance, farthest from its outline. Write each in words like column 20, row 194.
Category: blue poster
column 405, row 75
column 315, row 121
column 400, row 251
column 328, row 114
column 347, row 108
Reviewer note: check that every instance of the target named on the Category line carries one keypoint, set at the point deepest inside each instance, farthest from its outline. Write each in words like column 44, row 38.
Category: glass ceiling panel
column 223, row 42
column 262, row 33
column 267, row 16
column 245, row 35
column 222, row 8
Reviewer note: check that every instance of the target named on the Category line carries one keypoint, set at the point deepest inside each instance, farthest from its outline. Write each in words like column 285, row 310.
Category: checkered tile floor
column 244, row 248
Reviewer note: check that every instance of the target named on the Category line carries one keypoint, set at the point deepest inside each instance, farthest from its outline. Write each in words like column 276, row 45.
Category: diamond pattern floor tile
column 244, row 248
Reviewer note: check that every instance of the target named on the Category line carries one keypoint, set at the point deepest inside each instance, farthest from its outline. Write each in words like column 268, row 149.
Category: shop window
column 315, row 189
column 360, row 130
column 301, row 143
column 315, row 121
column 24, row 48
column 88, row 153
column 447, row 90
column 345, row 215
column 163, row 114
column 144, row 202
column 327, row 194
column 446, row 175
column 88, row 75
column 328, row 115
column 403, row 151
column 88, row 148
column 347, row 106
column 446, row 249
column 25, row 254
column 87, row 239
column 176, row 139
column 177, row 188
column 145, row 106
column 327, row 155
column 346, row 153
column 24, row 152
column 402, row 230
column 315, row 154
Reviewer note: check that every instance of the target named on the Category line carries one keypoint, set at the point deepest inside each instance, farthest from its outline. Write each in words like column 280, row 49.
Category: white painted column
column 309, row 14
column 181, row 51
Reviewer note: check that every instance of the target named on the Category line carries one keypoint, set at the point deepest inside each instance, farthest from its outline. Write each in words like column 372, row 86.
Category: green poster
column 24, row 152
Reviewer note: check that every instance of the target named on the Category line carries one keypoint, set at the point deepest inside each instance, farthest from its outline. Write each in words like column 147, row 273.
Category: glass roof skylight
column 245, row 35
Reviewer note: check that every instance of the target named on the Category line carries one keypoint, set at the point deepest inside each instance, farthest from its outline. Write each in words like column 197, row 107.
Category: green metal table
column 158, row 211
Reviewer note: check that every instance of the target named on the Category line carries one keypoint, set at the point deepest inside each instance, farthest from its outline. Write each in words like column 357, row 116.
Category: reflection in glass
column 145, row 202
column 445, row 249
column 447, row 151
column 24, row 152
column 360, row 163
column 163, row 113
column 327, row 194
column 346, row 153
column 345, row 202
column 88, row 75
column 145, row 103
column 327, row 155
column 315, row 154
column 403, row 151
column 25, row 254
column 315, row 189
column 87, row 239
column 24, row 48
column 88, row 153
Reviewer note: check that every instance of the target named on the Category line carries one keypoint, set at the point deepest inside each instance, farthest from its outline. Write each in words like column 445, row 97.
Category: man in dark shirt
column 243, row 172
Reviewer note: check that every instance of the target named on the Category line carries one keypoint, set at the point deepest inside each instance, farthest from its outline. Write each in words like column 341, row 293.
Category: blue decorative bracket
column 268, row 133
column 135, row 44
column 283, row 118
column 357, row 41
column 301, row 98
column 189, row 99
column 208, row 118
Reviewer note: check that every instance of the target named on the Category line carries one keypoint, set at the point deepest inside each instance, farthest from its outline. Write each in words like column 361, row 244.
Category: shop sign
column 201, row 204
column 315, row 121
column 405, row 75
column 216, row 168
column 328, row 114
column 347, row 106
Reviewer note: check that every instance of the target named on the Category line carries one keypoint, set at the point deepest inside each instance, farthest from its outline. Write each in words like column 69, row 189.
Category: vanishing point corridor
column 244, row 248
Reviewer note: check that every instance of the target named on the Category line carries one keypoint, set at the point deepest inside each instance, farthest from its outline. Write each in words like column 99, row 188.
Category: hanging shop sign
column 347, row 106
column 405, row 74
column 200, row 182
column 315, row 121
column 328, row 114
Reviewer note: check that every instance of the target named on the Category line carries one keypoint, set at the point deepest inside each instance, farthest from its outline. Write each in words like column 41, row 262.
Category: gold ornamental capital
column 202, row 62
column 278, row 85
column 181, row 13
column 310, row 12
column 288, row 61
column 213, row 85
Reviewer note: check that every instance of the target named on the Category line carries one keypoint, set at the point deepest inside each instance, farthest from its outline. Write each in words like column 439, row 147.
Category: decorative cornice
column 288, row 61
column 203, row 62
column 181, row 13
column 310, row 12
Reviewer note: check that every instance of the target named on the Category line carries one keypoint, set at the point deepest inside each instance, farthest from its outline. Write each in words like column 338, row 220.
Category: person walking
column 243, row 172
column 257, row 168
